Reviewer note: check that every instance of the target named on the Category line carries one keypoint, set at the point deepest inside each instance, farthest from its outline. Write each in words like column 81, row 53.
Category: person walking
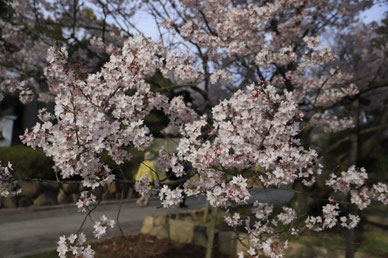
column 146, row 168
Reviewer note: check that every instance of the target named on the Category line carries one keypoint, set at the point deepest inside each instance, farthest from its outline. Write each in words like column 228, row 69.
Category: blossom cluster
column 233, row 221
column 255, row 130
column 8, row 185
column 327, row 220
column 353, row 177
column 23, row 89
column 287, row 216
column 95, row 114
column 102, row 225
column 179, row 112
column 85, row 200
column 75, row 245
column 181, row 66
column 353, row 182
column 235, row 191
column 287, row 49
column 349, row 222
column 103, row 112
column 261, row 232
column 379, row 192
column 19, row 64
column 331, row 123
column 170, row 198
column 330, row 217
column 252, row 134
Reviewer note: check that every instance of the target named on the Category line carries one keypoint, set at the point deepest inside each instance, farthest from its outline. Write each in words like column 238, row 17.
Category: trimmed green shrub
column 30, row 163
column 27, row 162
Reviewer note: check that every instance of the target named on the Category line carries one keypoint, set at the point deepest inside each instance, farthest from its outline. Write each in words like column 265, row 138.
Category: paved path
column 25, row 232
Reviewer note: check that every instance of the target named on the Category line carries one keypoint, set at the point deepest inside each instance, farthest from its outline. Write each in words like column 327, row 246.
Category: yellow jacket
column 147, row 167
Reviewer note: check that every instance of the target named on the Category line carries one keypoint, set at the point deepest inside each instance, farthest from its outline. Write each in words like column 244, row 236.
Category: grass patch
column 51, row 254
column 331, row 242
column 372, row 241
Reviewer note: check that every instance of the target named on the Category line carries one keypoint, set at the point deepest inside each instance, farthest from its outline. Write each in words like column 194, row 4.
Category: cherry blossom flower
column 170, row 198
column 8, row 185
column 102, row 225
column 74, row 244
column 349, row 222
column 85, row 200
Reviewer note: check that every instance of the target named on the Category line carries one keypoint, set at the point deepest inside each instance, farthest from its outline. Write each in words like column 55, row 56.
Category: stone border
column 38, row 194
column 6, row 211
column 187, row 232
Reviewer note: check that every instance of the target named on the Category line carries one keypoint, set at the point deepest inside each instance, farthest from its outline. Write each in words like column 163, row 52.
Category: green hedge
column 27, row 162
column 30, row 163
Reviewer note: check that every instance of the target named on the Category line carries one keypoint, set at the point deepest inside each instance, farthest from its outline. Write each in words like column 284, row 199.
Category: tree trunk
column 212, row 228
column 301, row 202
column 353, row 160
column 206, row 212
column 369, row 145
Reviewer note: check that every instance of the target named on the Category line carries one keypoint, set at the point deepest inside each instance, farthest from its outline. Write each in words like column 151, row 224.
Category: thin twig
column 118, row 213
column 86, row 216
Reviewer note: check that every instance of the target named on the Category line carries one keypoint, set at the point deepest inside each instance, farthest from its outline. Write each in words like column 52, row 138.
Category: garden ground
column 26, row 232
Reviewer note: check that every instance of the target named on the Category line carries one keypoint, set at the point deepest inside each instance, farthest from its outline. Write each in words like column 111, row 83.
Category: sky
column 376, row 13
column 147, row 25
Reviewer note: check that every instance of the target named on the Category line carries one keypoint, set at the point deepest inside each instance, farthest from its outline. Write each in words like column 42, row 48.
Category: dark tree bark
column 353, row 160
column 212, row 228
